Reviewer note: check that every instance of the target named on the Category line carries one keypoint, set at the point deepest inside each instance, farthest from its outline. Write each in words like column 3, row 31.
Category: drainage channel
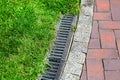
column 59, row 52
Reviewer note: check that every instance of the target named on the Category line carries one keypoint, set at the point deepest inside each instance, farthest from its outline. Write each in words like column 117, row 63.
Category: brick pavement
column 103, row 57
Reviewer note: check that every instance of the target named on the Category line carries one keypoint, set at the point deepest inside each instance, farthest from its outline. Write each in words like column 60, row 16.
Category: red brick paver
column 102, row 16
column 103, row 5
column 112, row 64
column 112, row 75
column 94, row 43
column 115, row 9
column 95, row 33
column 117, row 34
column 109, row 24
column 103, row 56
column 107, row 39
column 95, row 73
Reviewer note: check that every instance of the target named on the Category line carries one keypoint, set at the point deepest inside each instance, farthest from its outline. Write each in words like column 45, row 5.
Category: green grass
column 27, row 28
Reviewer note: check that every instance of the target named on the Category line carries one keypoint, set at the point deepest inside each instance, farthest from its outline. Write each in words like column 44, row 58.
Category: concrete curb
column 76, row 58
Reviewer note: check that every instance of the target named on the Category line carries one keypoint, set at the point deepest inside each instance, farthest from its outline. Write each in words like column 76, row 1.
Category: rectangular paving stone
column 95, row 33
column 103, row 5
column 109, row 24
column 112, row 75
column 117, row 34
column 102, row 16
column 95, row 70
column 102, row 54
column 112, row 64
column 115, row 8
column 94, row 43
column 107, row 39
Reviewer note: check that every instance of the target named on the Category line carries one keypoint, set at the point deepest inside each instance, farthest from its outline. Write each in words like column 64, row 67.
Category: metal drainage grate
column 60, row 49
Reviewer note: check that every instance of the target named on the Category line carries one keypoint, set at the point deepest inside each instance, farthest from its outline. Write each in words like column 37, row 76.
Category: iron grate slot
column 54, row 60
column 68, row 21
column 65, row 28
column 55, row 57
column 63, row 33
column 58, row 46
column 61, row 38
column 65, row 36
column 67, row 18
column 51, row 73
column 54, row 63
column 48, row 77
column 60, row 49
column 54, row 67
column 56, row 51
column 62, row 41
column 52, row 70
column 62, row 44
column 60, row 55
column 66, row 24
column 63, row 24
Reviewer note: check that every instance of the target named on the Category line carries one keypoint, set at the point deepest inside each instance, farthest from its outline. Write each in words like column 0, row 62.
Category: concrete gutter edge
column 77, row 54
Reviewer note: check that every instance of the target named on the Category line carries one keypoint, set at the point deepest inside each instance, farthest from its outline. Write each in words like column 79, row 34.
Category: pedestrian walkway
column 103, row 57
